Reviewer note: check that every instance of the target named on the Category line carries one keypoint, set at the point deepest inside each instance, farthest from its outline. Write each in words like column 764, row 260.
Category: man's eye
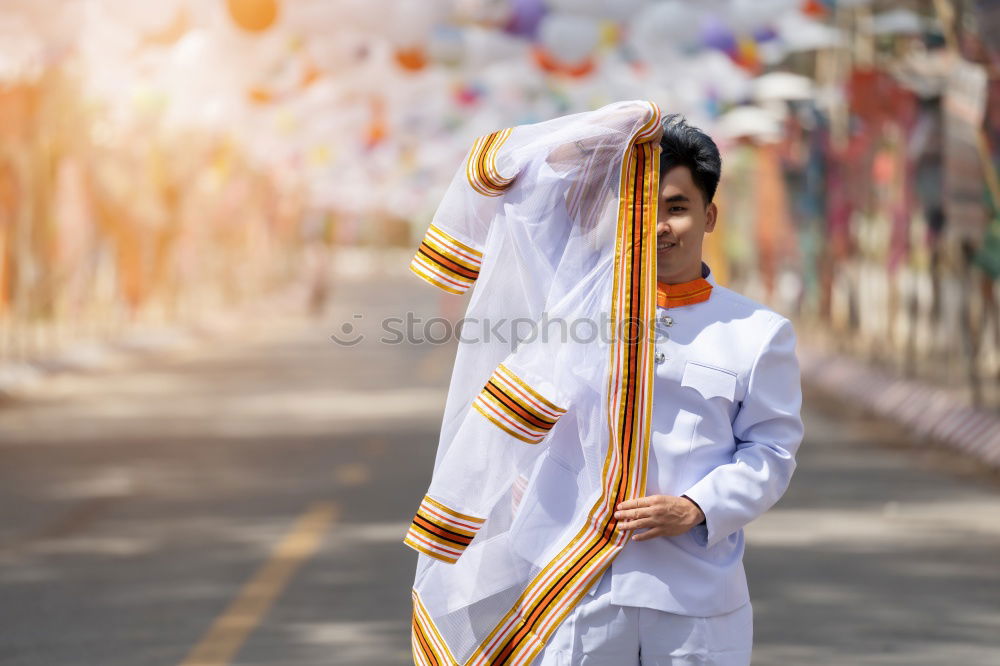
column 677, row 209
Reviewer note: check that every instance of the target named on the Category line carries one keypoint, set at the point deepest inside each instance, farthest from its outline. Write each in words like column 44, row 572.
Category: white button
column 667, row 321
column 659, row 356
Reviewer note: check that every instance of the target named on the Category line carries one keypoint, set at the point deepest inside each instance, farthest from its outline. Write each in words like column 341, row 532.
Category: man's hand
column 661, row 515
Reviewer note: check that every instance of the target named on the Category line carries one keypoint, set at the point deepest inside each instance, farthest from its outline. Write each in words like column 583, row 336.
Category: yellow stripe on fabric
column 522, row 397
column 454, row 241
column 470, row 169
column 481, row 169
column 542, row 584
column 496, row 180
column 431, row 270
column 510, row 375
column 436, row 266
column 433, row 648
column 482, row 657
column 461, row 516
column 429, row 551
column 512, row 415
column 505, row 426
column 567, row 593
column 544, row 420
column 458, row 530
column 441, row 532
column 437, row 282
column 649, row 128
column 449, row 253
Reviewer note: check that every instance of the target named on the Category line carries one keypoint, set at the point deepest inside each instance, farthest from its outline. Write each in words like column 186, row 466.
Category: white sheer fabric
column 552, row 224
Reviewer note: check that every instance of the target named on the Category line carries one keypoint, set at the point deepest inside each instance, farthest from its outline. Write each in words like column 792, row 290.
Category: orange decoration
column 413, row 58
column 260, row 95
column 311, row 75
column 813, row 9
column 746, row 55
column 550, row 64
column 253, row 15
column 377, row 128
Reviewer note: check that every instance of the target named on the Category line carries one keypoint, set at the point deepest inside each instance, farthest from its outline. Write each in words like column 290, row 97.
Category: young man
column 589, row 492
column 726, row 428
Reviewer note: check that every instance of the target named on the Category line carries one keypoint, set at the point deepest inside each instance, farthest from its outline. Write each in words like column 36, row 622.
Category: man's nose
column 662, row 227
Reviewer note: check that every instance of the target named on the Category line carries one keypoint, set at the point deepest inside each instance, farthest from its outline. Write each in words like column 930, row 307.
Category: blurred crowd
column 163, row 160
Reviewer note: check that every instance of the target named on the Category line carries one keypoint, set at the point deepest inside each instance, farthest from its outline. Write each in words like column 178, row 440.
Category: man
column 726, row 428
column 589, row 493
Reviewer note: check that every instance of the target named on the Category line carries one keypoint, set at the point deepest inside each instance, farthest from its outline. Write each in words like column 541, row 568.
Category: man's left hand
column 660, row 515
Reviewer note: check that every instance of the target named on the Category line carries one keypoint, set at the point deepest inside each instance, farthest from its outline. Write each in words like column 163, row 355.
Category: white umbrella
column 749, row 121
column 899, row 22
column 782, row 86
column 799, row 33
column 714, row 70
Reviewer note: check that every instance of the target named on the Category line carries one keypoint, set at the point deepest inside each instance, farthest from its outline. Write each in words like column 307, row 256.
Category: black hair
column 684, row 145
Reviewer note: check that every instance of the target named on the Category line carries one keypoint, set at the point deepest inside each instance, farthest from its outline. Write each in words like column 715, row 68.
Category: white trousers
column 598, row 633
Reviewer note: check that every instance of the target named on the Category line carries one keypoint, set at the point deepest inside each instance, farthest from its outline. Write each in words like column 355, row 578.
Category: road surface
column 245, row 503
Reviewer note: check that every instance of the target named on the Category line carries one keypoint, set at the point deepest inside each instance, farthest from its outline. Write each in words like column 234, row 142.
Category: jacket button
column 666, row 320
column 659, row 356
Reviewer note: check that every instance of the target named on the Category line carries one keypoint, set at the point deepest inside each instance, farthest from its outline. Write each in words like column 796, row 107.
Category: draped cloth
column 546, row 426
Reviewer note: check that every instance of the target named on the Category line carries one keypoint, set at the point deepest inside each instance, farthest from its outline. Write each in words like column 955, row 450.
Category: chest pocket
column 710, row 381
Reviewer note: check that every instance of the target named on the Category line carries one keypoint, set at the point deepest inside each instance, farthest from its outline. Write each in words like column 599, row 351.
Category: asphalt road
column 244, row 503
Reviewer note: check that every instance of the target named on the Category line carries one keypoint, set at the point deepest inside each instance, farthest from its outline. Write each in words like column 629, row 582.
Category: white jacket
column 726, row 428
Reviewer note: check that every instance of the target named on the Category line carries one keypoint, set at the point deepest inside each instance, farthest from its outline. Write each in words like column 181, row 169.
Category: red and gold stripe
column 551, row 594
column 516, row 408
column 441, row 532
column 481, row 167
column 446, row 262
column 429, row 648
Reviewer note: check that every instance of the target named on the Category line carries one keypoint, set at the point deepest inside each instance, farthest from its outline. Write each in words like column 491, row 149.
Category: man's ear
column 711, row 213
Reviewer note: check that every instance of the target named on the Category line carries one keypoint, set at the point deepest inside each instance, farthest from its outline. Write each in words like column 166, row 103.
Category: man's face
column 682, row 220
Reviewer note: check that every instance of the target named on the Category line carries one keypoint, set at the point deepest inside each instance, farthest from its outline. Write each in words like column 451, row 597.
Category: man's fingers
column 648, row 534
column 631, row 504
column 637, row 523
column 637, row 503
column 632, row 514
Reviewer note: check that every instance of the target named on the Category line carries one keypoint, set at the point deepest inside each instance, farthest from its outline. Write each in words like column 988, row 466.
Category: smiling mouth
column 665, row 245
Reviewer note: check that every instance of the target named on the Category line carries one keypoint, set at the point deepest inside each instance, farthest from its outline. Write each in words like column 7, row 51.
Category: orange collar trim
column 683, row 293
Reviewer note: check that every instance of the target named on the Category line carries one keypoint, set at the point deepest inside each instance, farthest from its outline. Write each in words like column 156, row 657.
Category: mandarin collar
column 691, row 292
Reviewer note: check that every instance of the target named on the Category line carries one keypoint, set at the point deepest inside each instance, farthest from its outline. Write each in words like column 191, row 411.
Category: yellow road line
column 353, row 474
column 231, row 629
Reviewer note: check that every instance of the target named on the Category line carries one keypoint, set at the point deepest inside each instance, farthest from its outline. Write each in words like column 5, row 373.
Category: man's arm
column 768, row 430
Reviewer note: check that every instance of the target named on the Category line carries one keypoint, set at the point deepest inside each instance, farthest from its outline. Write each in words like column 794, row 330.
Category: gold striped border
column 441, row 532
column 651, row 127
column 446, row 262
column 429, row 647
column 512, row 405
column 550, row 596
column 481, row 167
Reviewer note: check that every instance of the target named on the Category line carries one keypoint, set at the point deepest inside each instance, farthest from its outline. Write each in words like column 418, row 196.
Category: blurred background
column 201, row 199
